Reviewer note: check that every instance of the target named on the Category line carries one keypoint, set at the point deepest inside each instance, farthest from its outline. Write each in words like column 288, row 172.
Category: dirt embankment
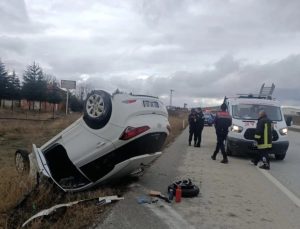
column 296, row 120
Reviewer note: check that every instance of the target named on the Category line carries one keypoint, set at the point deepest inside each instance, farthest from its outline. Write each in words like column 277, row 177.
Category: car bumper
column 245, row 147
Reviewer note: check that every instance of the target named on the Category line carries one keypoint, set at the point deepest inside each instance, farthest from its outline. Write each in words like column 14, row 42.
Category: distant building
column 291, row 110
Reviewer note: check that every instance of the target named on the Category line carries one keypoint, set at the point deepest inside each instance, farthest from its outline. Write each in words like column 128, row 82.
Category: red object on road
column 178, row 194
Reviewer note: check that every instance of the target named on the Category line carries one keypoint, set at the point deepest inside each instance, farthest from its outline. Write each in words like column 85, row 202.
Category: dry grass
column 16, row 134
column 178, row 123
column 26, row 114
column 296, row 120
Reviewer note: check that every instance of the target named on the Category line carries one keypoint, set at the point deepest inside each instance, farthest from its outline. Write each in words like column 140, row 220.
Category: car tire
column 22, row 162
column 97, row 109
column 280, row 157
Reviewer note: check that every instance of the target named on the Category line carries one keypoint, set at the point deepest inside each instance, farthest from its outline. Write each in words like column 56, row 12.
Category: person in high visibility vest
column 263, row 137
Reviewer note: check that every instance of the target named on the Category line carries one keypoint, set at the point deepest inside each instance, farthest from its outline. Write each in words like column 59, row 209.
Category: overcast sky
column 202, row 49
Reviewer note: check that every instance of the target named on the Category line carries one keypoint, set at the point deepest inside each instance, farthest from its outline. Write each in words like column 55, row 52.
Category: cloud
column 229, row 77
column 13, row 16
column 201, row 49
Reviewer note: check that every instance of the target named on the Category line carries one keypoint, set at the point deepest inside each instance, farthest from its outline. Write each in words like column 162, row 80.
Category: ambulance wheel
column 227, row 149
column 280, row 157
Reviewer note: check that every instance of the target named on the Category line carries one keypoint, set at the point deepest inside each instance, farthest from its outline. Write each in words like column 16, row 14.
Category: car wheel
column 97, row 109
column 22, row 162
column 227, row 149
column 280, row 157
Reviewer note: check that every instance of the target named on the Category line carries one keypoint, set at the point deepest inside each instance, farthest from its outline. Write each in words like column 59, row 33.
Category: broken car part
column 102, row 200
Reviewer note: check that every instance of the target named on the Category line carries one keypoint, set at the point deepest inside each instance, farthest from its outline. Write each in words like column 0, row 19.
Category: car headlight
column 283, row 131
column 236, row 128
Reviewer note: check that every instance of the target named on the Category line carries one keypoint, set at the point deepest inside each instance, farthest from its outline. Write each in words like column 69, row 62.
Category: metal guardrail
column 294, row 128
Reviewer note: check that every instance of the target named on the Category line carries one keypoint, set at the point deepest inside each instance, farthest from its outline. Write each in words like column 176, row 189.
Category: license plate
column 150, row 104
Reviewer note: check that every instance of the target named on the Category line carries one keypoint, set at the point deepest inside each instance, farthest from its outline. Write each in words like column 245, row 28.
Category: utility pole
column 171, row 94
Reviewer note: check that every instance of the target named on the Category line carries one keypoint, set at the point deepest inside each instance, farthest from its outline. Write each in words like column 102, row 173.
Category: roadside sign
column 68, row 84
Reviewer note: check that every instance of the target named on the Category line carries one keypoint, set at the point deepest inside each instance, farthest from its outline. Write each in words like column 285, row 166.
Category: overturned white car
column 117, row 134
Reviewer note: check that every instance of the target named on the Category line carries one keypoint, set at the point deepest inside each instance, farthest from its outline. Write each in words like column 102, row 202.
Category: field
column 296, row 120
column 20, row 199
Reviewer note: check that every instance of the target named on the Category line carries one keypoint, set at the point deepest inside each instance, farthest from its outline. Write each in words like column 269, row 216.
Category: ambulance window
column 250, row 111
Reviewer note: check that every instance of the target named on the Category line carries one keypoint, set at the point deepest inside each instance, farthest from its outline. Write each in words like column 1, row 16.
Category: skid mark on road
column 170, row 216
column 282, row 188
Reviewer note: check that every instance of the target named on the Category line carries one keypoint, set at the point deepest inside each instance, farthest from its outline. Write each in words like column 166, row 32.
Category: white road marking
column 287, row 192
column 169, row 216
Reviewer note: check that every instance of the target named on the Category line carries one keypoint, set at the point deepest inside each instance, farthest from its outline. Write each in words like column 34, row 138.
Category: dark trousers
column 192, row 133
column 220, row 145
column 198, row 137
column 262, row 155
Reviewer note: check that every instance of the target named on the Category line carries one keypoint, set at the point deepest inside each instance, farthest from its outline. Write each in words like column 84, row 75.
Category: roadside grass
column 17, row 113
column 178, row 123
column 21, row 199
column 296, row 120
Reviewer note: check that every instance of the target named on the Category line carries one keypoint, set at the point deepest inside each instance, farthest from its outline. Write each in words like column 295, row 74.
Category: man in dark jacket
column 199, row 126
column 192, row 123
column 263, row 137
column 223, row 121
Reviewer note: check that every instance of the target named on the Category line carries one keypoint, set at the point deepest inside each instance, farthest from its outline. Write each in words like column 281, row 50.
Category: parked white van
column 244, row 110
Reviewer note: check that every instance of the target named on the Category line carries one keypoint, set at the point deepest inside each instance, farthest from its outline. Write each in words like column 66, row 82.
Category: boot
column 254, row 162
column 265, row 166
column 213, row 157
column 198, row 144
column 189, row 143
column 224, row 161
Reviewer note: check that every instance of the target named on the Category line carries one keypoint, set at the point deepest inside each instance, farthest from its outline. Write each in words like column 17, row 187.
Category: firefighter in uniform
column 223, row 121
column 263, row 137
column 193, row 122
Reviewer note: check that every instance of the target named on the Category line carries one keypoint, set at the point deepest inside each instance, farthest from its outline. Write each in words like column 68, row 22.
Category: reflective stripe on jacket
column 223, row 121
column 263, row 133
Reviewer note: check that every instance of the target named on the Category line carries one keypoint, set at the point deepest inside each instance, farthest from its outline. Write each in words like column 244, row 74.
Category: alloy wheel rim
column 95, row 106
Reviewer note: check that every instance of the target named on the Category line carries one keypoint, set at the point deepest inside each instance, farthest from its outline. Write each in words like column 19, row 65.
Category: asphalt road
column 236, row 195
column 128, row 214
column 288, row 170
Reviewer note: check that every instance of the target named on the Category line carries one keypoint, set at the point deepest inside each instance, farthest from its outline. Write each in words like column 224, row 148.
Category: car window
column 250, row 111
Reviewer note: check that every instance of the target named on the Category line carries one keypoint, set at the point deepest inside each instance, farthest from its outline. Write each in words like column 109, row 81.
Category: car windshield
column 250, row 111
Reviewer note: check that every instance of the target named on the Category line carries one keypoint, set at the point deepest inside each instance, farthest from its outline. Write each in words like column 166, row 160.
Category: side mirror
column 289, row 120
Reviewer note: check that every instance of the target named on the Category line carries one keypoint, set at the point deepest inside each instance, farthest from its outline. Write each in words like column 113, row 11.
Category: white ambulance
column 244, row 110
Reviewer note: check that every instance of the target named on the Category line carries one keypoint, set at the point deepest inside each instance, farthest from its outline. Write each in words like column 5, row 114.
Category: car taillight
column 131, row 132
